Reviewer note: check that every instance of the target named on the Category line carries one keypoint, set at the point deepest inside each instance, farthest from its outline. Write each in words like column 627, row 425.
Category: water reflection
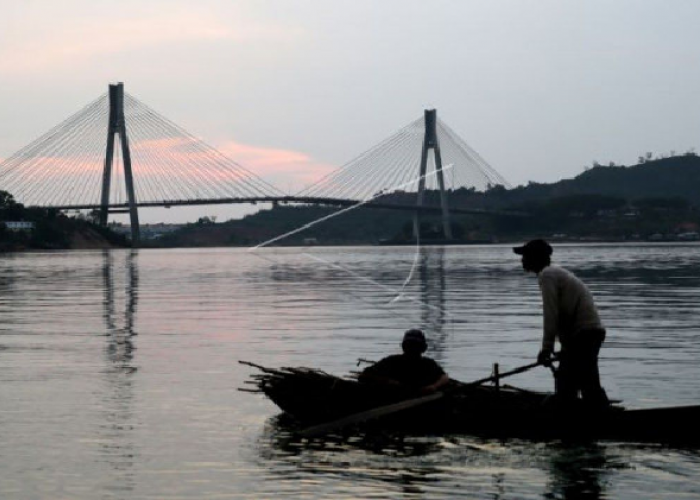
column 91, row 410
column 578, row 472
column 120, row 326
column 414, row 465
column 399, row 460
column 120, row 284
column 7, row 279
column 432, row 292
column 412, row 295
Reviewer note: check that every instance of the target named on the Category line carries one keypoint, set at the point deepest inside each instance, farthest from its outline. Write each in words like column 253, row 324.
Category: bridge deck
column 292, row 200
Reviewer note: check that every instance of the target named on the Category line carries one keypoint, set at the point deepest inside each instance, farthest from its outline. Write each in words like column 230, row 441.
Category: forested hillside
column 50, row 229
column 654, row 200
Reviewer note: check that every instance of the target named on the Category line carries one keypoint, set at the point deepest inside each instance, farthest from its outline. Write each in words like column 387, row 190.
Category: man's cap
column 414, row 335
column 534, row 247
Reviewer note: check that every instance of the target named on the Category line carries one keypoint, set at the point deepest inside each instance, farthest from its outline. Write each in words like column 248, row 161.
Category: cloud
column 75, row 42
column 285, row 169
column 288, row 170
column 164, row 168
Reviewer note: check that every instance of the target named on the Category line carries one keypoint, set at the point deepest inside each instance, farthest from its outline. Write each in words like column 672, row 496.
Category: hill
column 657, row 199
column 674, row 177
column 50, row 229
column 361, row 226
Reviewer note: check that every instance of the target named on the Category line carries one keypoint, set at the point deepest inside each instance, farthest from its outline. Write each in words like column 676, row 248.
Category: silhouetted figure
column 410, row 371
column 570, row 316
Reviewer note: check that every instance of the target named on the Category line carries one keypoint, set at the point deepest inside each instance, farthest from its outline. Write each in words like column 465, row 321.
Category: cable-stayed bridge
column 117, row 154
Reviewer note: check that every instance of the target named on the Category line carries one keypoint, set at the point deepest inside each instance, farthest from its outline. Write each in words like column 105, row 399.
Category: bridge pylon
column 117, row 126
column 430, row 141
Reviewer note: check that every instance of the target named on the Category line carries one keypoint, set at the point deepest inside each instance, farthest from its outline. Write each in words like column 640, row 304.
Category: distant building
column 18, row 225
column 155, row 231
column 606, row 213
column 148, row 231
column 688, row 227
column 689, row 236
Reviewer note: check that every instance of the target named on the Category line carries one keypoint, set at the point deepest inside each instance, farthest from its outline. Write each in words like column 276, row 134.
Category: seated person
column 410, row 370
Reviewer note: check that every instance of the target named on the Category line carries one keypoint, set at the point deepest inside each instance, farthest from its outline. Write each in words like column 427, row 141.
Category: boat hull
column 312, row 397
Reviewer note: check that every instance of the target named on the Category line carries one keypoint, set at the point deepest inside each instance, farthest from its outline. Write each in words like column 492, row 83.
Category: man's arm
column 550, row 310
column 373, row 378
column 435, row 386
column 434, row 372
column 377, row 374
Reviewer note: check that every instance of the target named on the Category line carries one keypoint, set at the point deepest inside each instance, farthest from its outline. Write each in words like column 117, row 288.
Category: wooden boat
column 314, row 397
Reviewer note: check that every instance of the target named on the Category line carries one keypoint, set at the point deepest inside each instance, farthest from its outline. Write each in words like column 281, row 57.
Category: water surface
column 119, row 373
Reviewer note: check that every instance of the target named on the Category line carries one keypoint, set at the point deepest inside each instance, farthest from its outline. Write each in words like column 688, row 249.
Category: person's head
column 536, row 255
column 414, row 343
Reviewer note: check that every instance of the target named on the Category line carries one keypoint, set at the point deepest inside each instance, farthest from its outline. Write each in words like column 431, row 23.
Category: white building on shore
column 18, row 226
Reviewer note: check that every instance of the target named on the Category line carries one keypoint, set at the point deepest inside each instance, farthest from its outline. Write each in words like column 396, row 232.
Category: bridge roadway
column 290, row 200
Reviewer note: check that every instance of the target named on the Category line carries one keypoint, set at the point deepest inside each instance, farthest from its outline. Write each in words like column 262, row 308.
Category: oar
column 356, row 418
column 514, row 371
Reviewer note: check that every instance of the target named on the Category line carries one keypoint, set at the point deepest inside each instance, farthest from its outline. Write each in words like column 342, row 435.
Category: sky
column 292, row 89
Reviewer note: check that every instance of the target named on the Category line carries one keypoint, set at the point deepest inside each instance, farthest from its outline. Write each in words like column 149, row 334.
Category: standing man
column 570, row 316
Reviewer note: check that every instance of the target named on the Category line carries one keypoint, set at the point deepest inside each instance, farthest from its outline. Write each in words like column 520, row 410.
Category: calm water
column 119, row 373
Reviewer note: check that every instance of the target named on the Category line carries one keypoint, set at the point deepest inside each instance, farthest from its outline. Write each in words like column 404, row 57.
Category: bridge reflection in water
column 119, row 446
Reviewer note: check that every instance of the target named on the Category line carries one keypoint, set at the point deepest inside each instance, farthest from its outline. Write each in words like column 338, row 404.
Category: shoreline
column 362, row 245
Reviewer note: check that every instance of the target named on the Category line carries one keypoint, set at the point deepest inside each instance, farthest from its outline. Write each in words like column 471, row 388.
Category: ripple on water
column 118, row 370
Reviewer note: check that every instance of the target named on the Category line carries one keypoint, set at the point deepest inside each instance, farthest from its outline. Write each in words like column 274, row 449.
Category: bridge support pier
column 430, row 141
column 117, row 126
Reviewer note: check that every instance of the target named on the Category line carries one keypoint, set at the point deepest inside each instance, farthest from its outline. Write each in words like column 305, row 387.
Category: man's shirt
column 409, row 371
column 568, row 306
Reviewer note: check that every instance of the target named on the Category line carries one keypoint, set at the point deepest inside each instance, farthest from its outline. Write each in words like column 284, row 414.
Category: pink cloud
column 286, row 169
column 289, row 170
column 171, row 168
column 76, row 41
